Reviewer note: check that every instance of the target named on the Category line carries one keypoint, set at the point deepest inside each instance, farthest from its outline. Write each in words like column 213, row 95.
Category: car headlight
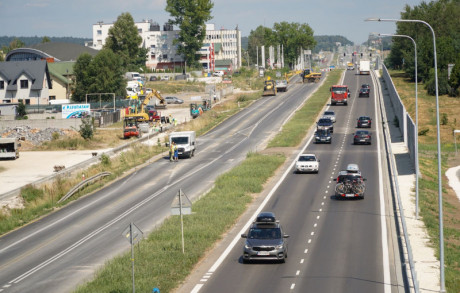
column 279, row 247
column 247, row 246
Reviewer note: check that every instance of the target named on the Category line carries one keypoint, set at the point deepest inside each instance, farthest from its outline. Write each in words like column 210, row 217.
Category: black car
column 364, row 92
column 153, row 78
column 362, row 137
column 325, row 123
column 323, row 136
column 364, row 122
column 265, row 240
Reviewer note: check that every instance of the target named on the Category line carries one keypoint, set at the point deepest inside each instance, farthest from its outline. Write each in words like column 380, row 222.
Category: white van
column 185, row 142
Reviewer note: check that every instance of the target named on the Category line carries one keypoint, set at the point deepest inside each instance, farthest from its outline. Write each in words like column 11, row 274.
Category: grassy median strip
column 296, row 128
column 428, row 184
column 159, row 261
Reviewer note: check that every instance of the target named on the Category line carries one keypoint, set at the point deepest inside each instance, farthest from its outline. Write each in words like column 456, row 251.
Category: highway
column 59, row 251
column 334, row 245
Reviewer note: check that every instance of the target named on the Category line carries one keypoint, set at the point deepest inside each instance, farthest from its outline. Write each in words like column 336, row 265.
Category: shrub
column 86, row 128
column 444, row 119
column 423, row 132
column 55, row 135
column 105, row 160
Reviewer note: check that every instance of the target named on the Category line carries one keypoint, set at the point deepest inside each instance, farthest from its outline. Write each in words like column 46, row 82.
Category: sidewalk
column 425, row 262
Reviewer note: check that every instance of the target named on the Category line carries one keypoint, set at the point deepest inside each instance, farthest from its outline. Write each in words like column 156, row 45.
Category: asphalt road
column 334, row 245
column 59, row 251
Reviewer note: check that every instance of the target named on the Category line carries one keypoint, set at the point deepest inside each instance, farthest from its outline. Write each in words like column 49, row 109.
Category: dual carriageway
column 334, row 245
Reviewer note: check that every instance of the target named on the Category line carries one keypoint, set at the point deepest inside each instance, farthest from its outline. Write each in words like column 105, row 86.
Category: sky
column 65, row 18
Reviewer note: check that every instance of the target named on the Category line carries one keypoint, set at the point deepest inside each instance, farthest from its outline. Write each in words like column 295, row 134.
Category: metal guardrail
column 395, row 187
column 83, row 184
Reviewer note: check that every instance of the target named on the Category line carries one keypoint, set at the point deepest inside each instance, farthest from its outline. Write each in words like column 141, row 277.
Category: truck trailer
column 365, row 67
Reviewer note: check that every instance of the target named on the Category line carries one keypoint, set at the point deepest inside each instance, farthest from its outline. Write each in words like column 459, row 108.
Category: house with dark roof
column 26, row 81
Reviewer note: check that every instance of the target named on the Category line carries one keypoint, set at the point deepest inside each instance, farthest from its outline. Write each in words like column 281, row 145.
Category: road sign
column 137, row 233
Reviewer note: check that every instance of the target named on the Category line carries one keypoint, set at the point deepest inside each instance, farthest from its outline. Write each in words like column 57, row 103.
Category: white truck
column 9, row 148
column 133, row 76
column 365, row 67
column 185, row 142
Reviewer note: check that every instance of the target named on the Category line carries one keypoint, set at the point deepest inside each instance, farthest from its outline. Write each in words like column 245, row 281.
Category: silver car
column 330, row 115
column 265, row 240
column 307, row 163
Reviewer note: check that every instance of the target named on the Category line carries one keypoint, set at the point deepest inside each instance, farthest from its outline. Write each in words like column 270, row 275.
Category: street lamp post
column 417, row 174
column 441, row 229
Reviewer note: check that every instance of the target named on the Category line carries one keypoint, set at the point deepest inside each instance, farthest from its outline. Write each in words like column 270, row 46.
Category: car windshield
column 349, row 177
column 362, row 132
column 364, row 118
column 264, row 233
column 339, row 90
column 307, row 159
column 329, row 113
column 324, row 120
column 180, row 140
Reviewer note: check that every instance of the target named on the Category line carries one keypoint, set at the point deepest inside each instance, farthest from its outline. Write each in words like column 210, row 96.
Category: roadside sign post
column 180, row 208
column 131, row 233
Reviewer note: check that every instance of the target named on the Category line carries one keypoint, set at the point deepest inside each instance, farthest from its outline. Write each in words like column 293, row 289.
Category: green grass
column 159, row 261
column 296, row 128
column 428, row 184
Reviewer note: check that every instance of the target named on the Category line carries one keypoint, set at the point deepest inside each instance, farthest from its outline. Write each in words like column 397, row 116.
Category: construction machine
column 138, row 109
column 269, row 87
column 131, row 127
column 310, row 76
column 198, row 109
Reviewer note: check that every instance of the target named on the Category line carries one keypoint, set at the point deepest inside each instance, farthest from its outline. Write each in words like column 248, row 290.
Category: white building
column 160, row 43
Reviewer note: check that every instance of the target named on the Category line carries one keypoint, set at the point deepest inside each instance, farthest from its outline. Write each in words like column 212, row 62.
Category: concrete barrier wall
column 406, row 123
column 42, row 123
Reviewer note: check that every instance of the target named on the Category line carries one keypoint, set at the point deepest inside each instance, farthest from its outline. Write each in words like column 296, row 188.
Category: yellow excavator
column 310, row 76
column 269, row 87
column 138, row 107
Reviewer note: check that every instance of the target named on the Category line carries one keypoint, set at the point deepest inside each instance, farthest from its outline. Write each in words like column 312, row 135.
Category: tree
column 106, row 74
column 454, row 80
column 293, row 36
column 124, row 40
column 190, row 16
column 261, row 36
column 46, row 40
column 83, row 78
column 99, row 74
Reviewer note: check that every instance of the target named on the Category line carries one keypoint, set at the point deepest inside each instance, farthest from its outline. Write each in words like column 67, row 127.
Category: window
column 139, row 30
column 152, row 56
column 152, row 46
column 164, row 46
column 2, row 84
column 24, row 84
column 99, row 32
column 52, row 98
column 27, row 101
column 165, row 56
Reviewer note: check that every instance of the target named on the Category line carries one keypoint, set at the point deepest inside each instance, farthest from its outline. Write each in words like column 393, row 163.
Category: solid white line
column 196, row 288
column 259, row 209
column 383, row 223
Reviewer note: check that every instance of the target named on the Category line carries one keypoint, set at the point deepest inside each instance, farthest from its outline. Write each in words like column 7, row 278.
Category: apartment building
column 162, row 52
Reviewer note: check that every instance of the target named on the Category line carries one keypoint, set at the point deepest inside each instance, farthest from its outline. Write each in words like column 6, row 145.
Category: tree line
column 444, row 18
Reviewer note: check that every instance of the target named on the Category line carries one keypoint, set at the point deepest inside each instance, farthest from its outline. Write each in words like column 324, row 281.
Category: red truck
column 339, row 94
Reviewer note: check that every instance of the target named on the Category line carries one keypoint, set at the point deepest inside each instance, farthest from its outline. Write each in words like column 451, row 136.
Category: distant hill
column 6, row 40
column 328, row 43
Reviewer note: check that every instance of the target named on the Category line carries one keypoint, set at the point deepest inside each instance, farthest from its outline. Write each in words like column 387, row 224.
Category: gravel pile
column 32, row 135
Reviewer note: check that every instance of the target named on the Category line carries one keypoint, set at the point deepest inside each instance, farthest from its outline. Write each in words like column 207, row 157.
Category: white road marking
column 305, row 251
column 302, row 260
column 297, row 273
column 315, row 225
column 309, row 241
column 292, row 286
